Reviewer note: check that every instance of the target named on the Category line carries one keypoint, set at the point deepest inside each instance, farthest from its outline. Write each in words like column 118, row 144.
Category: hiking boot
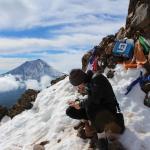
column 116, row 145
column 147, row 101
column 83, row 134
column 89, row 130
column 80, row 124
column 85, row 130
column 93, row 143
column 102, row 144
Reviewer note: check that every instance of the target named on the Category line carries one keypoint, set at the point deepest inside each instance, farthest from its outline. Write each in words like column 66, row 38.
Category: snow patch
column 47, row 120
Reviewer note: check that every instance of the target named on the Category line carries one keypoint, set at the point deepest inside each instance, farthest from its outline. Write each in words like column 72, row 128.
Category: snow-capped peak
column 34, row 70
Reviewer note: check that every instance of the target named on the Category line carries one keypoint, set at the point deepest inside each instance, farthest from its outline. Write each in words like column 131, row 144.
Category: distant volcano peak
column 35, row 69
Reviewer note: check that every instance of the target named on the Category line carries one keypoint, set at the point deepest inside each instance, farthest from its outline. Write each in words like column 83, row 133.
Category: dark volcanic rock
column 138, row 18
column 85, row 60
column 103, row 50
column 121, row 34
column 25, row 102
column 3, row 112
column 58, row 79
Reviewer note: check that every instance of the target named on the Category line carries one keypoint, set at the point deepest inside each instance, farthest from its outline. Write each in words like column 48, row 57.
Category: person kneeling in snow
column 100, row 107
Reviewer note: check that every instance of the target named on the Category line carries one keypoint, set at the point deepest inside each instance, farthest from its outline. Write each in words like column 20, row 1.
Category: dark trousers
column 102, row 120
column 76, row 113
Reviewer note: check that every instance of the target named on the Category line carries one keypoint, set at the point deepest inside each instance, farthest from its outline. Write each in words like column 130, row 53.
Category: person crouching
column 99, row 108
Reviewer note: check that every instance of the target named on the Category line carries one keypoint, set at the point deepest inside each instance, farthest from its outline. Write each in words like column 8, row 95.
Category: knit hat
column 77, row 76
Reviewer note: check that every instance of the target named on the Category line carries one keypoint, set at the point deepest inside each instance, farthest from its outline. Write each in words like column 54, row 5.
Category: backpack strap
column 117, row 105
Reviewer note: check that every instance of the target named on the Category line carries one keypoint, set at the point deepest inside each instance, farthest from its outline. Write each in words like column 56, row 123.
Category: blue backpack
column 123, row 49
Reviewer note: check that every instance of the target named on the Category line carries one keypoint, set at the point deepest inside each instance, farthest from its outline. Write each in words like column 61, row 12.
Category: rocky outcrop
column 138, row 18
column 40, row 146
column 58, row 79
column 85, row 60
column 24, row 103
column 3, row 112
column 103, row 50
column 137, row 23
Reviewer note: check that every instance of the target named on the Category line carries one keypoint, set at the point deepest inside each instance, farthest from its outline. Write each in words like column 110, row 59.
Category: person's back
column 100, row 95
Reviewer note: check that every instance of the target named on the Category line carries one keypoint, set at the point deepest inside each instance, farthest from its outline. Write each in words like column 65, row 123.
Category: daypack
column 123, row 49
column 138, row 57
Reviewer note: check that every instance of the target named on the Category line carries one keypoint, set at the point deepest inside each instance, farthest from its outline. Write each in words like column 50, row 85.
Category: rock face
column 103, row 50
column 58, row 79
column 40, row 146
column 85, row 59
column 138, row 18
column 25, row 102
column 3, row 112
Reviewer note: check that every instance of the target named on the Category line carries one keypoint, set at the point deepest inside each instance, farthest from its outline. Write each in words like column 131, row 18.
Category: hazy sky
column 57, row 31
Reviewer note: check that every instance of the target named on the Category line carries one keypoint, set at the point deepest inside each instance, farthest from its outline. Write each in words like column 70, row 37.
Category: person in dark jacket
column 101, row 105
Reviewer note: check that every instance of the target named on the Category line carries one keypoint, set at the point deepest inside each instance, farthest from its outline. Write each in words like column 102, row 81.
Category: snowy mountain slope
column 47, row 119
column 137, row 118
column 35, row 70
